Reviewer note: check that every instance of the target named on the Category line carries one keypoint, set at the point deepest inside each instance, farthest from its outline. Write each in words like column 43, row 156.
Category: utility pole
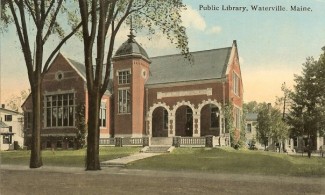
column 284, row 99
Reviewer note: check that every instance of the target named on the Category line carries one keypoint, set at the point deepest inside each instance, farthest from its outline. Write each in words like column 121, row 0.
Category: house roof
column 5, row 110
column 3, row 125
column 208, row 64
column 251, row 116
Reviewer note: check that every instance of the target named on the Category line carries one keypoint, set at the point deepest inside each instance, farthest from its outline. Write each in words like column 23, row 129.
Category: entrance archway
column 184, row 121
column 160, row 122
column 210, row 120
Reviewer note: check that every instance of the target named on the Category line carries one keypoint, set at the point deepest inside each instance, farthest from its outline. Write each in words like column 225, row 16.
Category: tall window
column 249, row 127
column 189, row 118
column 165, row 119
column 237, row 118
column 28, row 119
column 214, row 116
column 235, row 80
column 8, row 117
column 102, row 115
column 124, row 77
column 124, row 101
column 60, row 110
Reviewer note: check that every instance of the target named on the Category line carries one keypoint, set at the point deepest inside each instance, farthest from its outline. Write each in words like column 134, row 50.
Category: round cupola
column 131, row 48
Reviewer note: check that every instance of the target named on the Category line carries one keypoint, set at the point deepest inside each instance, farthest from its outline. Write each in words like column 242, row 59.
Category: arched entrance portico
column 160, row 122
column 158, row 118
column 184, row 121
column 211, row 117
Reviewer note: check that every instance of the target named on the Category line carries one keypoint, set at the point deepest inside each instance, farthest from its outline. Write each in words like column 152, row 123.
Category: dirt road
column 55, row 180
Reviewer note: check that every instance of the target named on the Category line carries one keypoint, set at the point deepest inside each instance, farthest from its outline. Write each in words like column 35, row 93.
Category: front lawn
column 227, row 160
column 68, row 158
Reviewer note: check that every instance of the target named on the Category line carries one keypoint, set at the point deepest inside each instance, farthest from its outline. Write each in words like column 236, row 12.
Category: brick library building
column 161, row 97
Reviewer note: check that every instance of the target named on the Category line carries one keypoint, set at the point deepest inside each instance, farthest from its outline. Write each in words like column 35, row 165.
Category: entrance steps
column 161, row 141
column 157, row 149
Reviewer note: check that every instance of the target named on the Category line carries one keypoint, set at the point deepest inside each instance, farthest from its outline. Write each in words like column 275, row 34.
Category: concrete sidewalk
column 122, row 162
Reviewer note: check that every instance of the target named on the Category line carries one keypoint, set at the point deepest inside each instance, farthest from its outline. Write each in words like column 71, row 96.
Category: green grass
column 67, row 158
column 232, row 161
column 216, row 160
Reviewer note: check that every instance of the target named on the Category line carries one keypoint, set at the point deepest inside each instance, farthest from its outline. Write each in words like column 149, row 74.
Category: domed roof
column 131, row 47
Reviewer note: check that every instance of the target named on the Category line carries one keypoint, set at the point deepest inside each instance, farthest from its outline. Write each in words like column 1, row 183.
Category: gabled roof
column 251, row 117
column 5, row 110
column 3, row 125
column 208, row 64
column 79, row 67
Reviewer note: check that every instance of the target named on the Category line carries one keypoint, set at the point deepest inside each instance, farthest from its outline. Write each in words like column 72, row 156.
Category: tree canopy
column 101, row 21
column 307, row 113
column 45, row 23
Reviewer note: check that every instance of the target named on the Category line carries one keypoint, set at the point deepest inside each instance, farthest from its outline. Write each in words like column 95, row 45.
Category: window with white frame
column 60, row 110
column 102, row 115
column 235, row 80
column 8, row 117
column 124, row 101
column 124, row 77
column 214, row 116
column 249, row 127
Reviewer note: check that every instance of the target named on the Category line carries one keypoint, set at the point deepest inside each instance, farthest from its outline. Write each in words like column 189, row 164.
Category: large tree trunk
column 92, row 161
column 36, row 158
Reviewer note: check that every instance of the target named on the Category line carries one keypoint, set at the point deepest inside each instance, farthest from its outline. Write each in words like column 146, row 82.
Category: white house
column 11, row 129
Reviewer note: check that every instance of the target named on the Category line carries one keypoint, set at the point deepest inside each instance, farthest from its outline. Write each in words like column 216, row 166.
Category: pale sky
column 272, row 45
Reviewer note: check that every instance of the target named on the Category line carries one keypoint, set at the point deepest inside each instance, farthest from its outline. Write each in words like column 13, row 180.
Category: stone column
column 177, row 141
column 209, row 141
column 196, row 125
column 171, row 126
column 172, row 131
column 118, row 142
column 145, row 141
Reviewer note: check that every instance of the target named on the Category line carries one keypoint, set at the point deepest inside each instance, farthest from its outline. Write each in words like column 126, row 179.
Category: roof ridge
column 193, row 52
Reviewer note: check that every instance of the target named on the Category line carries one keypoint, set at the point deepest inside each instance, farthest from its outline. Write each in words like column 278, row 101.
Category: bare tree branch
column 46, row 65
column 32, row 12
column 37, row 15
column 23, row 42
column 52, row 22
column 49, row 8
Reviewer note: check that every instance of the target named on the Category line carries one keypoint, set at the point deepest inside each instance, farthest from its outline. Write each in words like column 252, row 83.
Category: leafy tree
column 45, row 22
column 81, row 125
column 104, row 22
column 15, row 101
column 270, row 124
column 252, row 107
column 229, row 122
column 307, row 113
column 263, row 124
column 283, row 102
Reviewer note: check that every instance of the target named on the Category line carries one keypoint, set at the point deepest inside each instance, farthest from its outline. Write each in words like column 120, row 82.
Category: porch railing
column 121, row 141
column 195, row 141
column 132, row 141
column 107, row 141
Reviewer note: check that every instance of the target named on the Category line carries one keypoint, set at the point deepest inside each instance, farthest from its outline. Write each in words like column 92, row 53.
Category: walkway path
column 121, row 162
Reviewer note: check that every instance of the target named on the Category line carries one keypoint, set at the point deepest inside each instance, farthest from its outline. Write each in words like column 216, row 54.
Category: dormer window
column 124, row 77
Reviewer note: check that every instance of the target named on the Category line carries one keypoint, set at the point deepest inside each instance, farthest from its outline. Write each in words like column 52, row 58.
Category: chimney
column 3, row 106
